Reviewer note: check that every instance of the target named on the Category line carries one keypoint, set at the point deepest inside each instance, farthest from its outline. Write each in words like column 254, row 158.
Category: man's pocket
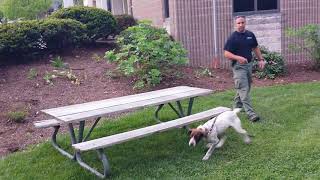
column 240, row 83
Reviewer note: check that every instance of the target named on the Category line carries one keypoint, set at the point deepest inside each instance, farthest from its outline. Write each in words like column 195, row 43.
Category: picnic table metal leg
column 156, row 115
column 189, row 110
column 179, row 112
column 81, row 129
column 190, row 106
column 73, row 137
column 175, row 110
column 172, row 107
column 56, row 145
column 77, row 155
column 104, row 160
column 72, row 134
column 91, row 129
column 180, row 109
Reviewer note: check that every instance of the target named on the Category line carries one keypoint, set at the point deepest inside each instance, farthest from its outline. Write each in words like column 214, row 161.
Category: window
column 243, row 5
column 109, row 6
column 267, row 5
column 255, row 6
column 166, row 8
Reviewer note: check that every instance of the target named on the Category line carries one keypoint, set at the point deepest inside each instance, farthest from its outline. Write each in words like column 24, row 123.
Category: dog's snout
column 192, row 142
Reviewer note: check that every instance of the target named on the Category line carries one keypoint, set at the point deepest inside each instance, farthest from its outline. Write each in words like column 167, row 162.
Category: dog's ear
column 204, row 132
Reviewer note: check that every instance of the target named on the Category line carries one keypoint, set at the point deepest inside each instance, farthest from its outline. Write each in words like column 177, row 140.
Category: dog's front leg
column 209, row 152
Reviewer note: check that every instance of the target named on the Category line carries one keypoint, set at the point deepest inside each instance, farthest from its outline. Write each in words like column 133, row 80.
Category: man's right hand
column 242, row 60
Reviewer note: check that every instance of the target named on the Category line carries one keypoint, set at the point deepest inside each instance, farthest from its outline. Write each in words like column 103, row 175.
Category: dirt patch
column 21, row 92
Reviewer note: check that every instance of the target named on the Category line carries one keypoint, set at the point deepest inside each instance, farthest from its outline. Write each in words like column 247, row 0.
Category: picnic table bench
column 79, row 113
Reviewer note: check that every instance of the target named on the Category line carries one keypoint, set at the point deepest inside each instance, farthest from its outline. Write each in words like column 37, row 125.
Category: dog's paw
column 248, row 141
column 209, row 145
column 205, row 158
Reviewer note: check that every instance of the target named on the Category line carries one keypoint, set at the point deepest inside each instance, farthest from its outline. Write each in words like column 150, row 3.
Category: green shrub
column 20, row 38
column 123, row 22
column 62, row 33
column 26, row 9
column 100, row 23
column 204, row 72
column 17, row 116
column 274, row 66
column 57, row 62
column 28, row 38
column 310, row 36
column 32, row 74
column 146, row 53
column 1, row 16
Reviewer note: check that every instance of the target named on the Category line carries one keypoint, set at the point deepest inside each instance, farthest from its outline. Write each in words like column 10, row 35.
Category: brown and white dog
column 213, row 131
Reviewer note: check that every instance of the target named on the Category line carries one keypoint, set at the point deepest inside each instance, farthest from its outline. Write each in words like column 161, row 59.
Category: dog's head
column 196, row 135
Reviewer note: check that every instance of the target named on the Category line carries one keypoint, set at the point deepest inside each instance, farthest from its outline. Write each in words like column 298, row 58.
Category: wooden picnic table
column 84, row 111
column 79, row 113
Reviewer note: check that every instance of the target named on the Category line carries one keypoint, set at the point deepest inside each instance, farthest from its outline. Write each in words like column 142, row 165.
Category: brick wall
column 148, row 9
column 267, row 28
column 225, row 26
column 195, row 29
column 295, row 14
column 191, row 22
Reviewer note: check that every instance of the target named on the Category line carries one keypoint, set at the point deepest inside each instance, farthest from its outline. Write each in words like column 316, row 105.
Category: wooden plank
column 46, row 123
column 139, row 133
column 73, row 109
column 131, row 106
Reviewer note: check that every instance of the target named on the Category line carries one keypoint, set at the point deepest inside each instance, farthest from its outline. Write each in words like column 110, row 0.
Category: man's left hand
column 262, row 64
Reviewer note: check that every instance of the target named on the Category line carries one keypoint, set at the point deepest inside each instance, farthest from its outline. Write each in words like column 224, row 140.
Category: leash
column 214, row 122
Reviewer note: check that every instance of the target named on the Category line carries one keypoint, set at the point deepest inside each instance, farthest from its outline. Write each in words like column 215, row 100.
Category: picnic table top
column 84, row 111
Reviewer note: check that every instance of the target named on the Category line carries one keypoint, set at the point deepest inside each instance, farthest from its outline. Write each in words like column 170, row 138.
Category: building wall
column 118, row 7
column 194, row 28
column 68, row 3
column 295, row 14
column 225, row 26
column 148, row 9
column 267, row 28
column 192, row 23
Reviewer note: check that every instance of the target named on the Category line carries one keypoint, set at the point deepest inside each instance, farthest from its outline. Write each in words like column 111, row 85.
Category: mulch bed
column 18, row 92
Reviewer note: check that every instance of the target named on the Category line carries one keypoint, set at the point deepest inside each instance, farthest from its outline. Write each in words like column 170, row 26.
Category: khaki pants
column 242, row 75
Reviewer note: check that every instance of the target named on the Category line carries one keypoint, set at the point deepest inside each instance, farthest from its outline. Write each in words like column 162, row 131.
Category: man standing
column 238, row 49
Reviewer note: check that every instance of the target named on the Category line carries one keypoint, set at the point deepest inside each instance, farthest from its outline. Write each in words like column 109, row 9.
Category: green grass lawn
column 286, row 145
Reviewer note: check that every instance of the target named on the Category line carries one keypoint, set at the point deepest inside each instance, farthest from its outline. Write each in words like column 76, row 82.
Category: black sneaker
column 254, row 118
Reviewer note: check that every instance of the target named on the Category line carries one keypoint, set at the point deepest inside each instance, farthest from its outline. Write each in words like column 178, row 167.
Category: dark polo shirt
column 241, row 44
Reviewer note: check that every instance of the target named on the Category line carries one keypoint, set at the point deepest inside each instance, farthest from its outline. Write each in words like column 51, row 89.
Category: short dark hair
column 239, row 16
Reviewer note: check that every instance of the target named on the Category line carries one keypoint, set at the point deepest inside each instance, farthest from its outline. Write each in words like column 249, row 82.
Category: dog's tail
column 236, row 110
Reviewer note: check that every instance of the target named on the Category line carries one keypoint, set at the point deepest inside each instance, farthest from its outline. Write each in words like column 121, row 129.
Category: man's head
column 240, row 23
